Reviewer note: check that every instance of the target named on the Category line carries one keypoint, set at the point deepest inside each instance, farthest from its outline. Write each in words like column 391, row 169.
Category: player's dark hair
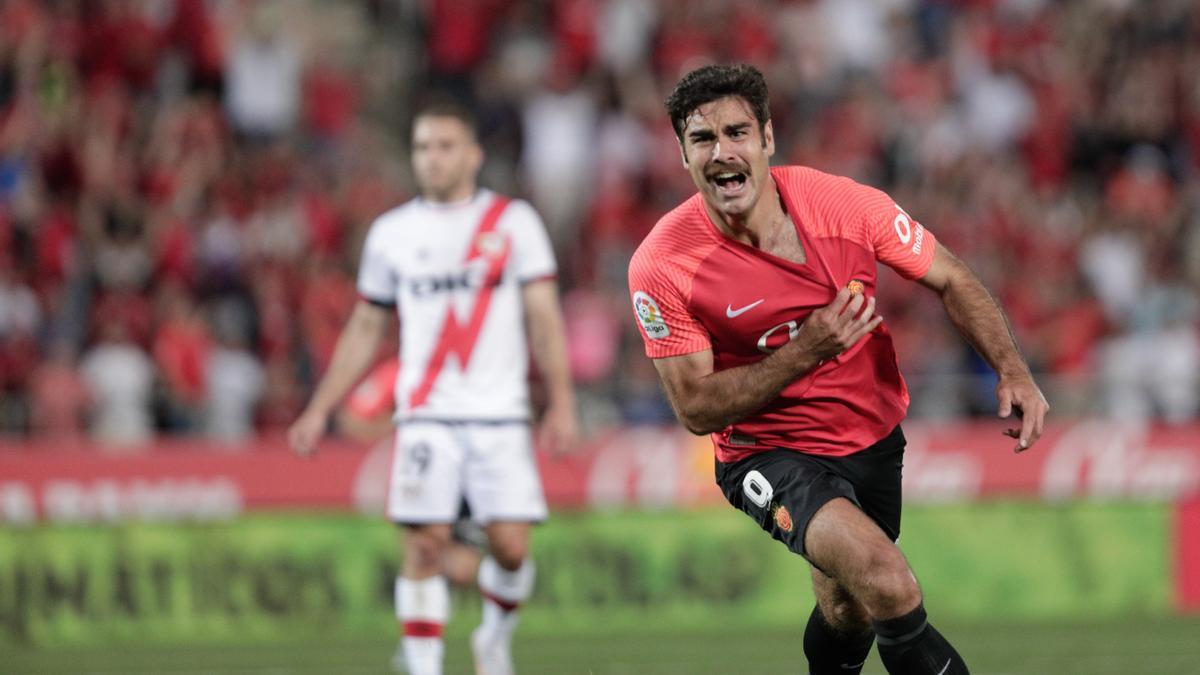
column 709, row 83
column 444, row 107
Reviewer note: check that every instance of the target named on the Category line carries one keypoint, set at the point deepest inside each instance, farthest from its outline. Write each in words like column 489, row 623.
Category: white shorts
column 436, row 464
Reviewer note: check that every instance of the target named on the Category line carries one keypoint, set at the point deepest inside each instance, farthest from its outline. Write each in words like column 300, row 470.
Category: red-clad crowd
column 184, row 185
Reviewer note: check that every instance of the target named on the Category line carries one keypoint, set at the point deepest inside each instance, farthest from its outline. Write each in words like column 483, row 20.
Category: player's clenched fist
column 838, row 326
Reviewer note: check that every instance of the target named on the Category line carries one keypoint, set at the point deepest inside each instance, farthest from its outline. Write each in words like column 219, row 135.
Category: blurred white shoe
column 493, row 655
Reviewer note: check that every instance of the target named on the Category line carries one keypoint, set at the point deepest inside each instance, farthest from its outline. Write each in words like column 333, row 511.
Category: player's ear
column 477, row 157
column 769, row 139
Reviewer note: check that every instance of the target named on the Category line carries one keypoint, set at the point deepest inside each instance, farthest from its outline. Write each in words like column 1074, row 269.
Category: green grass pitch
column 1125, row 647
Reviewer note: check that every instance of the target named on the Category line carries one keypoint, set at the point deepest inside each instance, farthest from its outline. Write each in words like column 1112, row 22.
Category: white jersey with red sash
column 454, row 273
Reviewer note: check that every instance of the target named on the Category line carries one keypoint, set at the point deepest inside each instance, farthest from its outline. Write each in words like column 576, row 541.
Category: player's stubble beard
column 737, row 213
column 456, row 186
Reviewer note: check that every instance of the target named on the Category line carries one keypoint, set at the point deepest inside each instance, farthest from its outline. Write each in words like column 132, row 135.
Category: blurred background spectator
column 119, row 376
column 185, row 185
column 233, row 376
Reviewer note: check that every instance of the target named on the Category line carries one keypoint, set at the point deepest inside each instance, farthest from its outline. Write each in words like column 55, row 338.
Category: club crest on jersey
column 855, row 287
column 490, row 244
column 650, row 316
column 783, row 518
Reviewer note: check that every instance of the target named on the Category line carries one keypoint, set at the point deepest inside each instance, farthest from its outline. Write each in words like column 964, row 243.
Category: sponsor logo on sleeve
column 907, row 231
column 903, row 227
column 650, row 316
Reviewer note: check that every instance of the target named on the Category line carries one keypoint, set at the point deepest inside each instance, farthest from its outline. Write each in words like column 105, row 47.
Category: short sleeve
column 533, row 256
column 378, row 279
column 899, row 241
column 660, row 309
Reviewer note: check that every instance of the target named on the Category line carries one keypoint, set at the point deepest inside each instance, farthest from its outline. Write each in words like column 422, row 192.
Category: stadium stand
column 184, row 185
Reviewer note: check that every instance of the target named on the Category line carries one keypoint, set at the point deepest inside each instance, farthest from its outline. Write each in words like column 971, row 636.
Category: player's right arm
column 707, row 401
column 355, row 351
column 903, row 244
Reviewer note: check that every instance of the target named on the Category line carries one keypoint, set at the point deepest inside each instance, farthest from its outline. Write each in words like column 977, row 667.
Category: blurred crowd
column 185, row 184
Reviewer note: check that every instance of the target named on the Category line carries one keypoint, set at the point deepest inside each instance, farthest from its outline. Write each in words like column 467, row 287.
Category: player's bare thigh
column 424, row 547
column 508, row 542
column 849, row 547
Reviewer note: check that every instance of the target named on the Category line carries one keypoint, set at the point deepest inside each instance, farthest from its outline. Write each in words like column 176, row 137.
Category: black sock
column 831, row 652
column 908, row 645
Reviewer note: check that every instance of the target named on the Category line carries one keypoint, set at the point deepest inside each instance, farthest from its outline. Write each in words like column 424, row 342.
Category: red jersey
column 694, row 288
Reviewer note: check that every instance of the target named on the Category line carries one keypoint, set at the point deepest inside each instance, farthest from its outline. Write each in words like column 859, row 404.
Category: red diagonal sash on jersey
column 456, row 338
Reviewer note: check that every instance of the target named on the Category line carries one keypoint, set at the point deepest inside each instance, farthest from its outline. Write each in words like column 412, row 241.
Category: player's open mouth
column 729, row 183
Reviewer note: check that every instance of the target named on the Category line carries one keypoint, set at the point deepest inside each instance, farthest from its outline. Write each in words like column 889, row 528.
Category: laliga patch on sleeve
column 650, row 316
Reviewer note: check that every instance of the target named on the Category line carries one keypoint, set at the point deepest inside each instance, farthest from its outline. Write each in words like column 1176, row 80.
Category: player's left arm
column 548, row 342
column 980, row 320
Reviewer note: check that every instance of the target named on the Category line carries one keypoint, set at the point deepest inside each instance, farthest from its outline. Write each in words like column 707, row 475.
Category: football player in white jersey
column 471, row 275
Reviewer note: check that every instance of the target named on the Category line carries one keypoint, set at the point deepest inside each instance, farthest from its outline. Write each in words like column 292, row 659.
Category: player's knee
column 424, row 551
column 510, row 552
column 893, row 590
column 901, row 596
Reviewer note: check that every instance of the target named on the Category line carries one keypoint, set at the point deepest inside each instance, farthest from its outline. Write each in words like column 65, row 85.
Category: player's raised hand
column 306, row 431
column 559, row 432
column 1019, row 394
column 838, row 326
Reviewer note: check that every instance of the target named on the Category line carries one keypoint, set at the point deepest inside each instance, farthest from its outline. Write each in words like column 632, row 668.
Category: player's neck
column 750, row 227
column 453, row 197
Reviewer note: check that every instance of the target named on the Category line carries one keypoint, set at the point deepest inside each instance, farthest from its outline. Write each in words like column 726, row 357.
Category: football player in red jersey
column 756, row 300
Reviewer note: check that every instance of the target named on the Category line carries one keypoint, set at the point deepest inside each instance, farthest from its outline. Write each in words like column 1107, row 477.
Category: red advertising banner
column 172, row 480
column 943, row 462
column 644, row 467
column 1187, row 555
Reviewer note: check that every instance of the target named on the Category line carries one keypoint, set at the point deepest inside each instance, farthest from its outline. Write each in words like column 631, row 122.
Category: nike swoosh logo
column 945, row 667
column 734, row 313
column 847, row 666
